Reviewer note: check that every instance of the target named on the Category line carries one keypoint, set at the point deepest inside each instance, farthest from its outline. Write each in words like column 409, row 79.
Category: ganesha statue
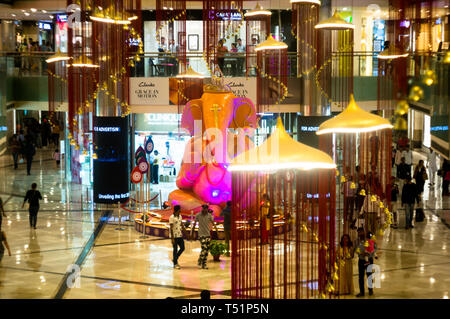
column 221, row 126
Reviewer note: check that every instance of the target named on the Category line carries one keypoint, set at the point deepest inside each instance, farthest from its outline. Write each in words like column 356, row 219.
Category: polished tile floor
column 120, row 264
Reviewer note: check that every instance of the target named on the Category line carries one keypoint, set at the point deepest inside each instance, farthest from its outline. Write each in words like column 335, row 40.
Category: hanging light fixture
column 354, row 120
column 83, row 61
column 281, row 151
column 58, row 56
column 258, row 11
column 190, row 73
column 306, row 1
column 334, row 23
column 392, row 52
column 271, row 44
column 100, row 16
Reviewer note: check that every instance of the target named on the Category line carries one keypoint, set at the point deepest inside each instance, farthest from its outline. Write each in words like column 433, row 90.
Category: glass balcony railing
column 157, row 64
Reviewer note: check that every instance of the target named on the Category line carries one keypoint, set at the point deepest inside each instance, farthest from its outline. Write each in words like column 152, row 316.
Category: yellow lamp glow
column 83, row 61
column 354, row 120
column 334, row 23
column 190, row 73
column 58, row 56
column 392, row 53
column 280, row 151
column 258, row 11
column 271, row 44
column 306, row 1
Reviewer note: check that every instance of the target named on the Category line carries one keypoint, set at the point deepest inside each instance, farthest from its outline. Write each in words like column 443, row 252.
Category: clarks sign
column 149, row 91
column 243, row 87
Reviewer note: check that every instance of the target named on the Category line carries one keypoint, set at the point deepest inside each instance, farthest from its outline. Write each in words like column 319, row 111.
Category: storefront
column 61, row 32
column 168, row 140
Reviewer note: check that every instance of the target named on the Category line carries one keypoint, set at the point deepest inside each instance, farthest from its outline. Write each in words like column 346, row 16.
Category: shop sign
column 243, row 87
column 149, row 91
column 45, row 26
column 225, row 15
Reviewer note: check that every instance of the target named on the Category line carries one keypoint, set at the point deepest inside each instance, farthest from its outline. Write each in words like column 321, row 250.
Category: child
column 56, row 157
column 371, row 247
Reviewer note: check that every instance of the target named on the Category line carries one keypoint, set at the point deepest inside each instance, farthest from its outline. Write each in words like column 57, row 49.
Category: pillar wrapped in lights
column 257, row 23
column 222, row 20
column 392, row 63
column 272, row 68
column 360, row 143
column 57, row 84
column 335, row 61
column 305, row 15
column 283, row 244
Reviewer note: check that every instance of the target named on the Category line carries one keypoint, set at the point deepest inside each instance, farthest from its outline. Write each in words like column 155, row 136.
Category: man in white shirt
column 176, row 235
column 432, row 166
column 407, row 154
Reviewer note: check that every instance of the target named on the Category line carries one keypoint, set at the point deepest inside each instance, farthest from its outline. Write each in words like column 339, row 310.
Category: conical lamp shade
column 58, row 56
column 83, row 61
column 258, row 11
column 353, row 120
column 334, row 23
column 271, row 44
column 306, row 1
column 280, row 151
column 190, row 73
column 392, row 53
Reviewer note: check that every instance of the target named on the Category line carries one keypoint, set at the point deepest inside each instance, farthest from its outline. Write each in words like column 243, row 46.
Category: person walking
column 33, row 196
column 155, row 168
column 410, row 195
column 176, row 234
column 15, row 146
column 2, row 213
column 346, row 254
column 403, row 172
column 204, row 220
column 3, row 244
column 445, row 173
column 57, row 157
column 432, row 166
column 394, row 202
column 407, row 154
column 362, row 263
column 226, row 214
column 265, row 219
column 420, row 176
column 29, row 151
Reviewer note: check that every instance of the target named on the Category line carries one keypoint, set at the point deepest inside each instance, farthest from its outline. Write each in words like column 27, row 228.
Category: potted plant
column 217, row 248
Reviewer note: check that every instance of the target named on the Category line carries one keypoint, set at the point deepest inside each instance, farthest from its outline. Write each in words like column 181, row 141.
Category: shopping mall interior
column 271, row 149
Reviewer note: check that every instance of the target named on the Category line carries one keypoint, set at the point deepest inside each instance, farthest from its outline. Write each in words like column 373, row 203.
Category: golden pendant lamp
column 353, row 120
column 271, row 44
column 306, row 1
column 190, row 74
column 281, row 151
column 83, row 61
column 392, row 52
column 58, row 56
column 334, row 23
column 258, row 11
